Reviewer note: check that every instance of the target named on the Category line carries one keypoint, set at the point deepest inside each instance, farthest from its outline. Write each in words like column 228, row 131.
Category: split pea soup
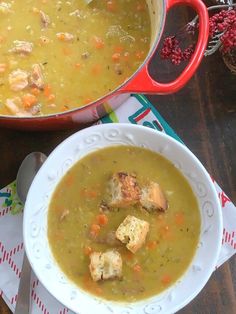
column 59, row 55
column 75, row 208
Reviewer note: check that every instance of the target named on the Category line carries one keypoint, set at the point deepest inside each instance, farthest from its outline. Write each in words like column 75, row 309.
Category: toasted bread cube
column 125, row 190
column 133, row 232
column 106, row 265
column 153, row 198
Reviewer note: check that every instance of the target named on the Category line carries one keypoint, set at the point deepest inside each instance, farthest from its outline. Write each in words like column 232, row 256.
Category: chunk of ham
column 22, row 47
column 45, row 19
column 36, row 77
column 18, row 80
column 14, row 106
column 65, row 36
column 5, row 7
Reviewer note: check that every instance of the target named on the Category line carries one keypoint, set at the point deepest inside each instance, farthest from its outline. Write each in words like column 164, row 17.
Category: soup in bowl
column 122, row 218
column 70, row 62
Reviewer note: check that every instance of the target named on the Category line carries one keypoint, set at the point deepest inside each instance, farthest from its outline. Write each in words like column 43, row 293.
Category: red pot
column 139, row 82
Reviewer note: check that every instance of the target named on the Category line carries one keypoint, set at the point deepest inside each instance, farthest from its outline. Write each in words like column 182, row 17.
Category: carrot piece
column 137, row 268
column 166, row 279
column 69, row 180
column 61, row 36
column 87, row 100
column 67, row 51
column 165, row 233
column 94, row 230
column 35, row 91
column 128, row 255
column 118, row 49
column 96, row 69
column 116, row 57
column 89, row 193
column 87, row 250
column 98, row 42
column 179, row 218
column 102, row 219
column 29, row 100
column 2, row 38
column 47, row 90
column 78, row 65
column 140, row 7
column 3, row 67
column 151, row 245
column 92, row 194
column 112, row 6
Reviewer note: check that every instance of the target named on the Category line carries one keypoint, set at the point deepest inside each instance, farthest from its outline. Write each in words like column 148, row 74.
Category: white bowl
column 57, row 164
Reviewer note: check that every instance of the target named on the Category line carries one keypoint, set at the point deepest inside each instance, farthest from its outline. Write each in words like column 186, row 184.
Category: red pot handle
column 143, row 83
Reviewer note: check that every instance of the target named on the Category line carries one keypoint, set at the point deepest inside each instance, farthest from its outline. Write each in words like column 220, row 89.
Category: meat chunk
column 65, row 36
column 106, row 265
column 85, row 55
column 125, row 190
column 118, row 69
column 104, row 208
column 133, row 232
column 22, row 47
column 153, row 198
column 15, row 107
column 36, row 77
column 35, row 109
column 18, row 80
column 45, row 20
column 79, row 13
column 5, row 7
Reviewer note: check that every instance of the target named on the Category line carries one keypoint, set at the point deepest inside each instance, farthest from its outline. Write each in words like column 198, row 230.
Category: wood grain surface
column 203, row 114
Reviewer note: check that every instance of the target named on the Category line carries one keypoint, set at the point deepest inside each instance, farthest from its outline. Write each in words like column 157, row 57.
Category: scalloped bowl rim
column 67, row 154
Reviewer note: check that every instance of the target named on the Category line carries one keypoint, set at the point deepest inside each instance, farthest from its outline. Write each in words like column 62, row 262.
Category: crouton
column 153, row 198
column 106, row 265
column 133, row 232
column 125, row 190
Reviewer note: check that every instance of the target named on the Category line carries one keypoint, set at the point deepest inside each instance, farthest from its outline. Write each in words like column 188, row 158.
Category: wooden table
column 204, row 116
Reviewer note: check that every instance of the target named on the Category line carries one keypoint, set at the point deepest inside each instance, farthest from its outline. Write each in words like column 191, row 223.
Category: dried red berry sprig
column 171, row 51
column 223, row 23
